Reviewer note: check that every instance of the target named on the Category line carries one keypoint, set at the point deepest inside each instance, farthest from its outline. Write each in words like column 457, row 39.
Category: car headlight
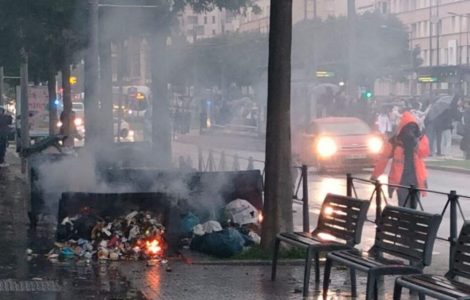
column 78, row 122
column 375, row 144
column 59, row 124
column 326, row 147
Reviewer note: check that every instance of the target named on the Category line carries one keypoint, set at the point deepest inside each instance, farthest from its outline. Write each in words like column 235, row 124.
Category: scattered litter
column 135, row 236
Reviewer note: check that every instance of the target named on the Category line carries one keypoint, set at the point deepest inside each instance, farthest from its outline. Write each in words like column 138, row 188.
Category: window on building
column 192, row 20
column 413, row 4
column 205, row 19
column 213, row 19
column 213, row 31
column 424, row 56
column 200, row 30
column 454, row 26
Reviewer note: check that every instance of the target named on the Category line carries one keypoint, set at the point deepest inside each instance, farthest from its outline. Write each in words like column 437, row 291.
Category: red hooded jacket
column 397, row 154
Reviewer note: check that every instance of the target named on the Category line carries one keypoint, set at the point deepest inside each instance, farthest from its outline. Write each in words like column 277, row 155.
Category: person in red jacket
column 407, row 150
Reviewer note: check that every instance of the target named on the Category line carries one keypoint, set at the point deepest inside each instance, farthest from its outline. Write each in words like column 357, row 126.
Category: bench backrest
column 460, row 265
column 407, row 233
column 342, row 217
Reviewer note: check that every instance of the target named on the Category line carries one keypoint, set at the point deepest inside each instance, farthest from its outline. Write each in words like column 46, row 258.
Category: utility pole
column 430, row 43
column 24, row 113
column 92, row 77
column 352, row 47
column 1, row 86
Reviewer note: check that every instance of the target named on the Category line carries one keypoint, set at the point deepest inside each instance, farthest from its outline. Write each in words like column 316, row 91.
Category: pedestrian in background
column 407, row 150
column 465, row 143
column 443, row 125
column 384, row 125
column 5, row 122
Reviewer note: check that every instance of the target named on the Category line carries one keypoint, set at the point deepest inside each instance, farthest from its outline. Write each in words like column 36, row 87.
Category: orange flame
column 260, row 217
column 153, row 247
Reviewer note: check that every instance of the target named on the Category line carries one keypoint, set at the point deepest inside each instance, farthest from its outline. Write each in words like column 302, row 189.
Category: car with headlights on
column 338, row 143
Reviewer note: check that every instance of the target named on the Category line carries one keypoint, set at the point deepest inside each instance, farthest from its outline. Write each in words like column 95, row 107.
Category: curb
column 291, row 262
column 449, row 169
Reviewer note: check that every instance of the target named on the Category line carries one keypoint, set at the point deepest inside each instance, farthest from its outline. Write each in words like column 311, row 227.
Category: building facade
column 440, row 29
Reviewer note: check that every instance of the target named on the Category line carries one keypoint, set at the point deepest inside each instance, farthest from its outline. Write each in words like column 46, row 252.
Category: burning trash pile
column 237, row 232
column 138, row 235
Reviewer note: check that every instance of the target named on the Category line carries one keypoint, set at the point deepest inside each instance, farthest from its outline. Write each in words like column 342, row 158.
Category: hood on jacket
column 406, row 118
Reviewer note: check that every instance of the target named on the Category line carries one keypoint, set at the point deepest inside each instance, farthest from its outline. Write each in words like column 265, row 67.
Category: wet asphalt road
column 76, row 280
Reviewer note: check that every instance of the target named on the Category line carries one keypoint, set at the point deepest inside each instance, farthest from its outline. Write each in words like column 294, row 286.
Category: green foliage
column 256, row 253
column 241, row 58
column 231, row 58
column 381, row 46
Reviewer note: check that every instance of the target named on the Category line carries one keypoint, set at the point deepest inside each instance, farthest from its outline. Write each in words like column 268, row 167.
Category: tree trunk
column 106, row 111
column 277, row 208
column 67, row 100
column 92, row 78
column 161, row 126
column 51, row 82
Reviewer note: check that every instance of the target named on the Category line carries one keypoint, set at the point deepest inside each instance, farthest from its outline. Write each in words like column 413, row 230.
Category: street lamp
column 467, row 34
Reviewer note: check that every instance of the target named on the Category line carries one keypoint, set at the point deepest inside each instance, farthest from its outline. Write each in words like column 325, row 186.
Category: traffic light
column 367, row 95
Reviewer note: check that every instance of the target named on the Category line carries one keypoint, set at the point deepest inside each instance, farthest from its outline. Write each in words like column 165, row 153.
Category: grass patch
column 256, row 253
column 463, row 164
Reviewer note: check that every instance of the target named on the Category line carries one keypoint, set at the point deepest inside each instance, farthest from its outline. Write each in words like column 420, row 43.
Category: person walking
column 407, row 150
column 5, row 122
column 465, row 143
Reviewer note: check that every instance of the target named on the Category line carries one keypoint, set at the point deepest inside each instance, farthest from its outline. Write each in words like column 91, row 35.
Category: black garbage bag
column 223, row 244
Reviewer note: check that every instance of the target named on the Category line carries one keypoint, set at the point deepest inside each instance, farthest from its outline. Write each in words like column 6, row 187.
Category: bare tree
column 278, row 189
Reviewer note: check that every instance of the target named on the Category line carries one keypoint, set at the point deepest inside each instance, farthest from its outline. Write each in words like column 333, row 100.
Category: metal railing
column 452, row 203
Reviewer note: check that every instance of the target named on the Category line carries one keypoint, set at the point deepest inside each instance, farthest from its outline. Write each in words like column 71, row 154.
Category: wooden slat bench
column 339, row 227
column 443, row 287
column 403, row 245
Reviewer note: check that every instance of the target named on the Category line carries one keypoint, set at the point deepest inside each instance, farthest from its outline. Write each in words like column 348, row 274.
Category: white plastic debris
column 211, row 226
column 198, row 230
column 242, row 212
column 130, row 216
column 208, row 227
column 255, row 237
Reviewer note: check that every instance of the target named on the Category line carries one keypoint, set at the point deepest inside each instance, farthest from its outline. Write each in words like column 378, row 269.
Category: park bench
column 404, row 239
column 339, row 227
column 443, row 287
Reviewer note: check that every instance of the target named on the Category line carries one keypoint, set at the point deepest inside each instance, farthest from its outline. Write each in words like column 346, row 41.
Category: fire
column 260, row 217
column 153, row 247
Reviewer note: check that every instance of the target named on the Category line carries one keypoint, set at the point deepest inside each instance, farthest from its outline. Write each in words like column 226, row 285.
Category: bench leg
column 275, row 256
column 317, row 267
column 326, row 277
column 352, row 276
column 371, row 286
column 307, row 270
column 397, row 291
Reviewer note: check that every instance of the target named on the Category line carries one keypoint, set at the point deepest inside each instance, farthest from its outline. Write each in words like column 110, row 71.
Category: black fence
column 452, row 203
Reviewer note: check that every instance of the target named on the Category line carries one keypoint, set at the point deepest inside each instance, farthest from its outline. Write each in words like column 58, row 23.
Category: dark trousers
column 3, row 147
column 438, row 141
column 404, row 200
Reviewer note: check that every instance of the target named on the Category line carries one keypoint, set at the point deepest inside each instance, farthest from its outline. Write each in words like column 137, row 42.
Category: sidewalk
column 25, row 276
column 454, row 163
